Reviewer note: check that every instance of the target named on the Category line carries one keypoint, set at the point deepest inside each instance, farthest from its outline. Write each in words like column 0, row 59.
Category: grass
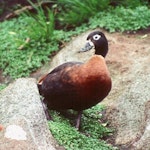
column 43, row 26
column 22, row 54
column 18, row 57
column 2, row 86
column 122, row 19
column 76, row 12
column 89, row 137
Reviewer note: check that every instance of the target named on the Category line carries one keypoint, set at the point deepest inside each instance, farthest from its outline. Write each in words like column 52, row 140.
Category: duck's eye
column 96, row 37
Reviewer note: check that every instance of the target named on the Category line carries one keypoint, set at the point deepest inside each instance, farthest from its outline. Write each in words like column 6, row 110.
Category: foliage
column 21, row 62
column 91, row 123
column 43, row 22
column 122, row 19
column 2, row 7
column 89, row 136
column 28, row 41
column 1, row 11
column 76, row 12
column 129, row 3
column 18, row 57
column 2, row 86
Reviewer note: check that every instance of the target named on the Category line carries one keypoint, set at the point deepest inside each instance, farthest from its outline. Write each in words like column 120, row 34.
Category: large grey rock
column 129, row 102
column 22, row 118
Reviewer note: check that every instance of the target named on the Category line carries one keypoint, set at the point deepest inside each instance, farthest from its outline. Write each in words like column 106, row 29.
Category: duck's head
column 98, row 41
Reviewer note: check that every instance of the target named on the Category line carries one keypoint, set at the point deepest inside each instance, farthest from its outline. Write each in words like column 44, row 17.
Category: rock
column 23, row 124
column 129, row 114
column 129, row 102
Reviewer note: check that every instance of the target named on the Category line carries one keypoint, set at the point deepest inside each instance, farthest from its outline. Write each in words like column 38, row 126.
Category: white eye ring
column 96, row 37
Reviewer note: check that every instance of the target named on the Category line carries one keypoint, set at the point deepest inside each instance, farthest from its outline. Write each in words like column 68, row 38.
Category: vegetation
column 129, row 3
column 20, row 53
column 43, row 26
column 2, row 86
column 90, row 136
column 76, row 12
column 27, row 45
column 122, row 19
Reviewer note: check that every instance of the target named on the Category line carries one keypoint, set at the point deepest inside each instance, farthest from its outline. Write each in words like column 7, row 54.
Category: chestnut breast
column 92, row 81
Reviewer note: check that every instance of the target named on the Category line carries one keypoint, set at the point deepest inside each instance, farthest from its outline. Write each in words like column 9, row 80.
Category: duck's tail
column 39, row 88
column 39, row 84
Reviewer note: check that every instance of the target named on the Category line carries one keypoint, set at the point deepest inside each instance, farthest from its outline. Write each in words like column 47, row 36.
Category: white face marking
column 15, row 132
column 96, row 37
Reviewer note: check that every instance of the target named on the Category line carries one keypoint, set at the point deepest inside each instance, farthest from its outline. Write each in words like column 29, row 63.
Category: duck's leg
column 78, row 120
column 44, row 104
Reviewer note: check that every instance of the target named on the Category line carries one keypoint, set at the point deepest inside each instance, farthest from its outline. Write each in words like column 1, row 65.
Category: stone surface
column 128, row 101
column 22, row 119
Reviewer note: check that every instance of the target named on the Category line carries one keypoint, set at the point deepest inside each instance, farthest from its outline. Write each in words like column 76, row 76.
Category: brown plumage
column 78, row 86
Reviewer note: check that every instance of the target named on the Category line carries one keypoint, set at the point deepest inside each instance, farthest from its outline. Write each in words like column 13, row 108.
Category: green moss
column 20, row 52
column 2, row 86
column 76, row 12
column 122, row 19
column 90, row 135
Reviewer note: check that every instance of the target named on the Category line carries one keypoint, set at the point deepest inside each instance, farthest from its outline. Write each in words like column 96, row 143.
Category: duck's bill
column 88, row 46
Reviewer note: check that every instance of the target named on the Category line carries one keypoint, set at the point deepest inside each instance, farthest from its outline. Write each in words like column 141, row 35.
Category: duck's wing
column 64, row 66
column 57, row 87
column 57, row 69
column 54, row 75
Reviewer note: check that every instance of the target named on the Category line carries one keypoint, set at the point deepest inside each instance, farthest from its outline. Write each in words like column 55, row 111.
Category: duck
column 77, row 85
